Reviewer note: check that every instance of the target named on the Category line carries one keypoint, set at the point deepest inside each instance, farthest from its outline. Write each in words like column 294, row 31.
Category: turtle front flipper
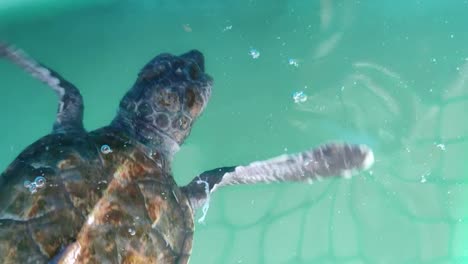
column 70, row 110
column 335, row 159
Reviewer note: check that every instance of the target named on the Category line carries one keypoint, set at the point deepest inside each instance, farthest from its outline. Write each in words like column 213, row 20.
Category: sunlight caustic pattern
column 411, row 208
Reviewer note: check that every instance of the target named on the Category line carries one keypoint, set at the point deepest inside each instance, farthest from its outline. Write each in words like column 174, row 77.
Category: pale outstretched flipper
column 335, row 159
column 70, row 110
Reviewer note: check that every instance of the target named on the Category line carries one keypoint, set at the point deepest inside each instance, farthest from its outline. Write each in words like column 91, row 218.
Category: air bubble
column 293, row 62
column 26, row 184
column 254, row 53
column 131, row 231
column 441, row 146
column 423, row 179
column 187, row 28
column 299, row 97
column 38, row 183
column 227, row 28
column 106, row 149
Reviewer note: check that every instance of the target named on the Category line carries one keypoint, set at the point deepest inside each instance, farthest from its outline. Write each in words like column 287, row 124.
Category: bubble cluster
column 293, row 62
column 299, row 97
column 106, row 149
column 131, row 231
column 441, row 146
column 227, row 28
column 254, row 53
column 38, row 183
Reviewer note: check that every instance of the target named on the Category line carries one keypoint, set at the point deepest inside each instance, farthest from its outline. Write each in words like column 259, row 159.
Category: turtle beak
column 197, row 57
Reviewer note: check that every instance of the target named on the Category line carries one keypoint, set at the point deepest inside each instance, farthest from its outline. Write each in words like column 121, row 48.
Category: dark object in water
column 108, row 196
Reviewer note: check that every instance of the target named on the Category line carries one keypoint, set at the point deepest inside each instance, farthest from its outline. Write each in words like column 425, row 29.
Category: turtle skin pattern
column 118, row 207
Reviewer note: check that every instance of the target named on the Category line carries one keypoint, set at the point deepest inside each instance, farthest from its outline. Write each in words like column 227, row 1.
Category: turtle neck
column 151, row 139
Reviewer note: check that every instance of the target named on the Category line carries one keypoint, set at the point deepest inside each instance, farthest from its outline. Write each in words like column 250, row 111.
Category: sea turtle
column 108, row 196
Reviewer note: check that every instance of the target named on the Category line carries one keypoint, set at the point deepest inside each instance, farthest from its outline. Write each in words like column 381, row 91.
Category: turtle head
column 168, row 95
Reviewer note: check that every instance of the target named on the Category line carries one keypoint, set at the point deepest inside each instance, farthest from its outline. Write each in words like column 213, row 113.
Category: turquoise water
column 391, row 74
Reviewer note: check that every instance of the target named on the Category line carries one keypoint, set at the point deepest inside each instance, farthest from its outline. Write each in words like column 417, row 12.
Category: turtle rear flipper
column 336, row 159
column 70, row 110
